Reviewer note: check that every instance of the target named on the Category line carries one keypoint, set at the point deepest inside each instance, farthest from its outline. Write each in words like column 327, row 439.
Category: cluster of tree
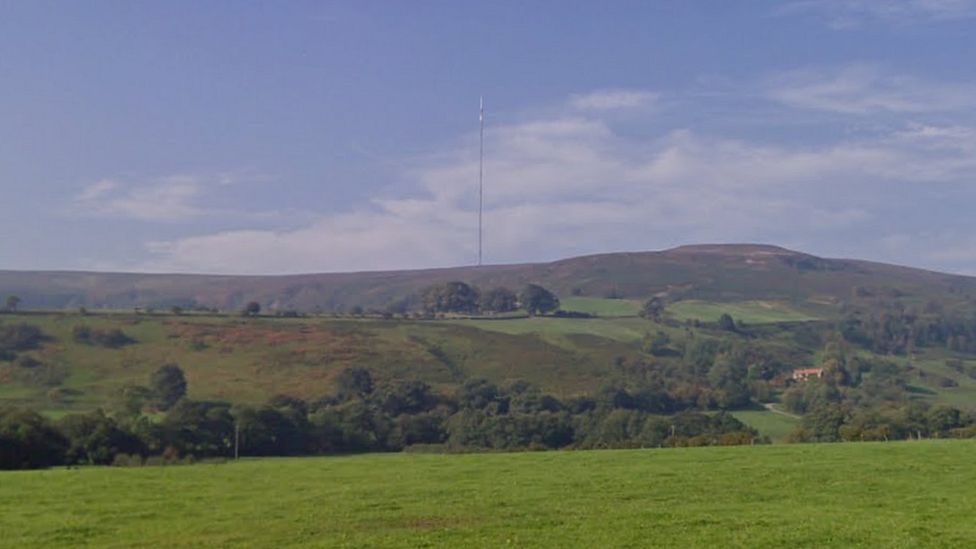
column 113, row 338
column 900, row 330
column 653, row 309
column 460, row 297
column 846, row 419
column 704, row 373
column 361, row 416
column 868, row 399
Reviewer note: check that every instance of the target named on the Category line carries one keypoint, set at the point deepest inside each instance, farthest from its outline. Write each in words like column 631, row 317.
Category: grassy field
column 770, row 424
column 617, row 329
column 602, row 307
column 753, row 312
column 910, row 494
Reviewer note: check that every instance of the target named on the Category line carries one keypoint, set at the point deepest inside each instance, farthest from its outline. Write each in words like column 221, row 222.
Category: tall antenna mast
column 481, row 172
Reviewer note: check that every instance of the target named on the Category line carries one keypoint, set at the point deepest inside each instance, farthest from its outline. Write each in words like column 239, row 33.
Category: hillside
column 891, row 338
column 704, row 272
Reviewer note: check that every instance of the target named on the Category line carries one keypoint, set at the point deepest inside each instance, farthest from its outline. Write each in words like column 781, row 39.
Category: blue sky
column 283, row 137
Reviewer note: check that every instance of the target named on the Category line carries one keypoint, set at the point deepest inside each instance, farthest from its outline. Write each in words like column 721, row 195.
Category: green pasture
column 754, row 312
column 601, row 307
column 907, row 494
column 931, row 371
column 771, row 424
column 618, row 329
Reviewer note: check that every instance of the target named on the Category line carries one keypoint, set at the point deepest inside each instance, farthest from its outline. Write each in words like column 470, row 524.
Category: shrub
column 112, row 339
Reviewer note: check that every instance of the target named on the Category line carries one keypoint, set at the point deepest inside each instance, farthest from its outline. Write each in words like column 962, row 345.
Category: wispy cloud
column 171, row 198
column 606, row 100
column 164, row 199
column 864, row 89
column 849, row 14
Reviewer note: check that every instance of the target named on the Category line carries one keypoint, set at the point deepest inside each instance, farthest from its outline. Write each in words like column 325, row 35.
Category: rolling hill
column 702, row 272
column 788, row 306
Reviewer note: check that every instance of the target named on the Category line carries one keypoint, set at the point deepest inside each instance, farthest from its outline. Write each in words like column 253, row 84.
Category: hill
column 897, row 344
column 910, row 494
column 703, row 272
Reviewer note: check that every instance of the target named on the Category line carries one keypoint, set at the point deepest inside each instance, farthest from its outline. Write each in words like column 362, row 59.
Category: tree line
column 460, row 297
column 361, row 416
column 900, row 330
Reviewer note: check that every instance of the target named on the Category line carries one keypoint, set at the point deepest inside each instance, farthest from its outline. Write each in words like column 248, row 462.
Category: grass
column 618, row 329
column 929, row 369
column 601, row 307
column 754, row 312
column 909, row 494
column 775, row 426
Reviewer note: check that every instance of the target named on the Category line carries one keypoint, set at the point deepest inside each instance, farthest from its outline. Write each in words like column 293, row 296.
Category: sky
column 289, row 137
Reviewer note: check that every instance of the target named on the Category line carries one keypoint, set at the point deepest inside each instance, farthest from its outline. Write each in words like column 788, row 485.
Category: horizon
column 308, row 138
column 484, row 266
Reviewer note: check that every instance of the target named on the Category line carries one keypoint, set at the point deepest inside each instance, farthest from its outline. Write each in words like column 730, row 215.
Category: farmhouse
column 806, row 373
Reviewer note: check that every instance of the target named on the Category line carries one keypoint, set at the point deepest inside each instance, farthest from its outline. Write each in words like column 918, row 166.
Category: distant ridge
column 724, row 272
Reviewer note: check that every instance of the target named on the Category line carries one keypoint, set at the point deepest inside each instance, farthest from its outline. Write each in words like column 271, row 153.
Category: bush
column 112, row 339
column 168, row 384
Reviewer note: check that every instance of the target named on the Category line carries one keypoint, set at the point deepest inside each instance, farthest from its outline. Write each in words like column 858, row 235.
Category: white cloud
column 569, row 184
column 95, row 190
column 849, row 14
column 864, row 89
column 163, row 199
column 605, row 100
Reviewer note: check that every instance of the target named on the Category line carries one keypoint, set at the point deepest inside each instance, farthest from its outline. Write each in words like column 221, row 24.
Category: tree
column 95, row 439
column 12, row 303
column 28, row 440
column 726, row 323
column 200, row 428
column 499, row 300
column 537, row 300
column 728, row 376
column 407, row 397
column 168, row 385
column 451, row 297
column 131, row 399
column 253, row 308
column 479, row 394
column 653, row 309
column 657, row 344
column 354, row 383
